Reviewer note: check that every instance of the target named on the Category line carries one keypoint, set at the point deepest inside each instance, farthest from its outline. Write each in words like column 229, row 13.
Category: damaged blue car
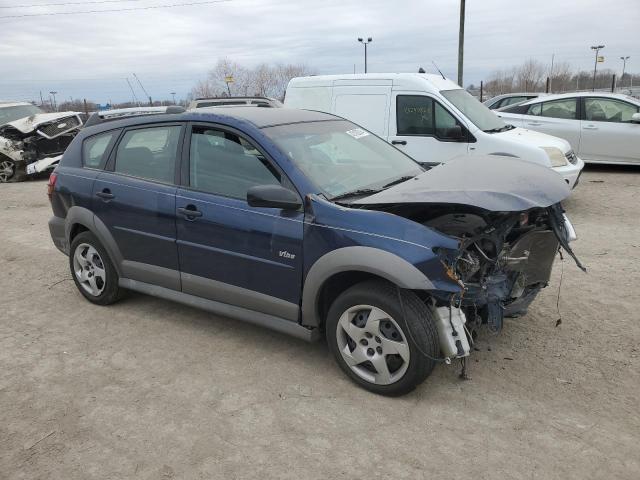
column 305, row 223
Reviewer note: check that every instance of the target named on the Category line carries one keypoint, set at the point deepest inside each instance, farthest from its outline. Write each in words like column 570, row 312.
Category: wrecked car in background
column 32, row 141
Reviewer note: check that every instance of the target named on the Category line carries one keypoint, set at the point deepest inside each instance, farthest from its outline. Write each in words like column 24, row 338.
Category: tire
column 96, row 284
column 11, row 171
column 387, row 327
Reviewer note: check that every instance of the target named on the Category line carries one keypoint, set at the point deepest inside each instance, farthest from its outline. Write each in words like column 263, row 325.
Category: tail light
column 51, row 185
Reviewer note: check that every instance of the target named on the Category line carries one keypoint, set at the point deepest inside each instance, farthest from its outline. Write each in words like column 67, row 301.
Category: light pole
column 54, row 100
column 369, row 39
column 597, row 49
column 174, row 97
column 461, row 43
column 624, row 64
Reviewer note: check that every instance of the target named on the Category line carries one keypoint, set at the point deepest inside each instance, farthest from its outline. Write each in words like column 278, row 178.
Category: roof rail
column 97, row 118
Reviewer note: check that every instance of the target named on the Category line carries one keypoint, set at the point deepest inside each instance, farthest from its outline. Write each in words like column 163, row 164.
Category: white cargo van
column 429, row 117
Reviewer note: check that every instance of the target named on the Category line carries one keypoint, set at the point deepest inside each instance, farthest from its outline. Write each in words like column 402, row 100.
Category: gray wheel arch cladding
column 357, row 259
column 82, row 216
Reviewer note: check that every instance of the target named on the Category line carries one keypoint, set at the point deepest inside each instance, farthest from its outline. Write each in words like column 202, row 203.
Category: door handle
column 105, row 194
column 590, row 127
column 534, row 124
column 190, row 212
column 398, row 142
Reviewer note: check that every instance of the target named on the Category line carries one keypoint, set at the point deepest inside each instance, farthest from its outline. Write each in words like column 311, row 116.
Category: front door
column 556, row 117
column 135, row 199
column 607, row 132
column 229, row 251
column 425, row 130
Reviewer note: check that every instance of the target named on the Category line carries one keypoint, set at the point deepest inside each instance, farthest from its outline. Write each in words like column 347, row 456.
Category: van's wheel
column 92, row 270
column 11, row 171
column 383, row 338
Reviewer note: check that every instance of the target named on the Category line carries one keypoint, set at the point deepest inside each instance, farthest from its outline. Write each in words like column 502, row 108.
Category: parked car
column 601, row 127
column 430, row 118
column 506, row 99
column 310, row 225
column 230, row 101
column 32, row 141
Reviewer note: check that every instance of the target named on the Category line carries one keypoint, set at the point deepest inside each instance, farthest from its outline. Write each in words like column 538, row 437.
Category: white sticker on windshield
column 357, row 133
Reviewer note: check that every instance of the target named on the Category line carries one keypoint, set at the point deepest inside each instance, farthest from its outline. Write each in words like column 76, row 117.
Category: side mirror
column 635, row 118
column 273, row 196
column 453, row 133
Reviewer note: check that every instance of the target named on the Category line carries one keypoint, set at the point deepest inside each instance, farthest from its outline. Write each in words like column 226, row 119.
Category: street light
column 174, row 97
column 54, row 100
column 369, row 39
column 624, row 64
column 597, row 49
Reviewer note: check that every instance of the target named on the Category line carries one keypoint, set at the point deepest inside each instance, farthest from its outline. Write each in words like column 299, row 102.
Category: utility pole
column 624, row 64
column 550, row 82
column 174, row 97
column 369, row 39
column 461, row 43
column 597, row 49
column 55, row 108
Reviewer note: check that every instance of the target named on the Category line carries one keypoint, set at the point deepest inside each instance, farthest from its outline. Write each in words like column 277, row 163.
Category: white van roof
column 408, row 81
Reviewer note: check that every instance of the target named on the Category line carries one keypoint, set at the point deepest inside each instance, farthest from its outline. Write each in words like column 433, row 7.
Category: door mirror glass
column 273, row 196
column 635, row 118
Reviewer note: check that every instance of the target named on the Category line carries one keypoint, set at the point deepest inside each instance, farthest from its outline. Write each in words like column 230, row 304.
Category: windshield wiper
column 356, row 193
column 398, row 180
column 501, row 129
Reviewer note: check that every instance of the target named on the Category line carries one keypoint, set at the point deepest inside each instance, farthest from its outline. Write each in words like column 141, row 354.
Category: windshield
column 9, row 114
column 478, row 113
column 341, row 158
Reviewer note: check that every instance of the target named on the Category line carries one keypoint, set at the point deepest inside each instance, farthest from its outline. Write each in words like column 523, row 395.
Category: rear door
column 366, row 104
column 556, row 117
column 607, row 132
column 229, row 251
column 135, row 198
column 423, row 128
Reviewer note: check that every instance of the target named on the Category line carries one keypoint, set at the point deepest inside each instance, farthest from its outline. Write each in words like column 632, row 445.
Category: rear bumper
column 57, row 231
column 571, row 173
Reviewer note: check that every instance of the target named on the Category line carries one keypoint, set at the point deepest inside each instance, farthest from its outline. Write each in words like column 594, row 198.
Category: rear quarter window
column 95, row 148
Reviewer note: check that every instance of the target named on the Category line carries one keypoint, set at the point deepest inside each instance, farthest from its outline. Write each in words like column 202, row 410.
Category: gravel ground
column 154, row 390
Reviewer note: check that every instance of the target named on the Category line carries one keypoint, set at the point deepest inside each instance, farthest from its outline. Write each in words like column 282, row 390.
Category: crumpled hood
column 490, row 182
column 534, row 139
column 31, row 123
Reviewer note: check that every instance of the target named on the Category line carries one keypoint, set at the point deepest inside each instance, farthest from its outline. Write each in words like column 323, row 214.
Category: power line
column 149, row 7
column 35, row 5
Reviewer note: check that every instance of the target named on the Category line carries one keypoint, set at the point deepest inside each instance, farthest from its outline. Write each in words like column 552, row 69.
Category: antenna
column 434, row 64
column 135, row 99
column 145, row 92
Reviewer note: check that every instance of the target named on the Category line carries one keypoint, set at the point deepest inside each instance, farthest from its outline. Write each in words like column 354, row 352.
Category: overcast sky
column 90, row 55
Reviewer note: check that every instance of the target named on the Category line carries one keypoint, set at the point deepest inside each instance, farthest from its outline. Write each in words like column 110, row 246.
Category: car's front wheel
column 383, row 338
column 11, row 171
column 92, row 270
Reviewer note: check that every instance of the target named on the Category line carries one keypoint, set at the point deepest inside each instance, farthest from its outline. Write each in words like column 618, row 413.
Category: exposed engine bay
column 504, row 260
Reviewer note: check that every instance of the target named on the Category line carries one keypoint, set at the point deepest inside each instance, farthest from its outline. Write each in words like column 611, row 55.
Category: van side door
column 366, row 104
column 425, row 129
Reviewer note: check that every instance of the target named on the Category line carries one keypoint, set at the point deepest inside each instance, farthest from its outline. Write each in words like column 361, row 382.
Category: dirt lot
column 154, row 390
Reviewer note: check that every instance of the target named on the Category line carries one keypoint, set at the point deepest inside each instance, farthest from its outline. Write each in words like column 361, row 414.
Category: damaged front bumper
column 43, row 165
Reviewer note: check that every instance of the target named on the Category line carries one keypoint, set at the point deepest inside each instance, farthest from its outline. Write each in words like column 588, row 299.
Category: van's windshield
column 476, row 112
column 342, row 159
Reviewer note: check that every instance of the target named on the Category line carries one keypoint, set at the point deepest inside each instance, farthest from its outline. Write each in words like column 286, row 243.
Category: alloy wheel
column 89, row 269
column 372, row 344
column 7, row 170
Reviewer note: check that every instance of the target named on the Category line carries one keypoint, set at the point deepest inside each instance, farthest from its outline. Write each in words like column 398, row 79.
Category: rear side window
column 415, row 115
column 225, row 164
column 565, row 108
column 94, row 149
column 149, row 153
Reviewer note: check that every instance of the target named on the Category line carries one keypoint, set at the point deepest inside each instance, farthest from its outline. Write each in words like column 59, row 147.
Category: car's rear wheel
column 382, row 337
column 92, row 270
column 11, row 171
